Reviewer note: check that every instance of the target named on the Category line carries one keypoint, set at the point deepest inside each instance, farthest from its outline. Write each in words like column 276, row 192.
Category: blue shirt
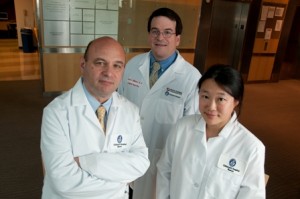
column 95, row 103
column 164, row 64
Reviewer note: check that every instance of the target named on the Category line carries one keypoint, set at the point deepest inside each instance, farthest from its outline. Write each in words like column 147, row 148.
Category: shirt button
column 142, row 118
column 196, row 185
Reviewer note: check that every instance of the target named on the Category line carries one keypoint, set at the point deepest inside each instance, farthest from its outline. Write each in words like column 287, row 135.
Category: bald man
column 85, row 156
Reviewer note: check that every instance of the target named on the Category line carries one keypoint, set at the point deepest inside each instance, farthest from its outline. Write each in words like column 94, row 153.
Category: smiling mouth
column 160, row 45
column 210, row 115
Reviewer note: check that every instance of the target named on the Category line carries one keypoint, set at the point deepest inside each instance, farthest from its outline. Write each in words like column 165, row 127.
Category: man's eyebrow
column 99, row 59
column 154, row 28
column 120, row 62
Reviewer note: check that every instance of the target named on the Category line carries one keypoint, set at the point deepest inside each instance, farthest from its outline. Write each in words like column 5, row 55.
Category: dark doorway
column 291, row 64
column 226, row 33
column 7, row 19
column 229, row 19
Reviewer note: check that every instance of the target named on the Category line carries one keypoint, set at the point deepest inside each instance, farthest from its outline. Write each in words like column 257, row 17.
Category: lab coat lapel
column 79, row 99
column 201, row 128
column 144, row 70
column 113, row 112
column 169, row 75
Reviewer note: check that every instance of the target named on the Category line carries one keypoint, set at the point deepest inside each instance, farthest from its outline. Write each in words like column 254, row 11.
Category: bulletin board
column 76, row 22
column 268, row 33
column 65, row 27
column 73, row 23
column 271, row 20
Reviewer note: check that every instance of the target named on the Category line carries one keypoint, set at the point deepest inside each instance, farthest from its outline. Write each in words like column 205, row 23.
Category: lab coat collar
column 200, row 128
column 225, row 132
column 113, row 111
column 144, row 68
column 169, row 75
column 227, row 129
column 201, row 124
column 79, row 99
column 78, row 96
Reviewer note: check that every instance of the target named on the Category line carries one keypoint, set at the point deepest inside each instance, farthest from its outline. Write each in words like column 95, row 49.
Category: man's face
column 163, row 47
column 103, row 69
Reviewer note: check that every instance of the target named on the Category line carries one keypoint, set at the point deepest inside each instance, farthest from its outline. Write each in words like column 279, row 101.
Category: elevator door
column 226, row 39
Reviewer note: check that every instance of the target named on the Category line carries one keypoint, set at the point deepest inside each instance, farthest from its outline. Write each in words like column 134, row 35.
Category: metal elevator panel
column 227, row 33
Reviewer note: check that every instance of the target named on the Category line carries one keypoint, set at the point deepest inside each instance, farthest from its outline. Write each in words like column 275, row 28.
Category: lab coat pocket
column 169, row 108
column 119, row 142
column 222, row 184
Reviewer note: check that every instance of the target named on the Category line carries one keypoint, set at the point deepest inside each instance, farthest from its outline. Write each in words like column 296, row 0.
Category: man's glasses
column 166, row 33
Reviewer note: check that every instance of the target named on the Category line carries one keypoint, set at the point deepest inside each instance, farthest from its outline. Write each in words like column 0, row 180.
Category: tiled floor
column 15, row 64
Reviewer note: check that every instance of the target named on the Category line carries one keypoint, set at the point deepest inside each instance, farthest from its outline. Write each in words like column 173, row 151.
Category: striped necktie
column 101, row 116
column 154, row 74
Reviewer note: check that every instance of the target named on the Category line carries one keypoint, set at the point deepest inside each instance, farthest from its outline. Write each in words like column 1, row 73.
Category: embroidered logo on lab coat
column 173, row 93
column 231, row 164
column 119, row 141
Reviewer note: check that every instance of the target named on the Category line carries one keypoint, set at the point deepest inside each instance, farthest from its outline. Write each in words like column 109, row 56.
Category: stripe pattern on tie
column 154, row 74
column 101, row 116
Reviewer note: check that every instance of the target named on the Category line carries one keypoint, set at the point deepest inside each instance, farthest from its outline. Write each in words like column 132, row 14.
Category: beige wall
column 25, row 16
column 61, row 68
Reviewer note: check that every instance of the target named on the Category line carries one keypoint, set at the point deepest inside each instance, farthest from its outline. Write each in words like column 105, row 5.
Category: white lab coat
column 174, row 95
column 191, row 167
column 70, row 128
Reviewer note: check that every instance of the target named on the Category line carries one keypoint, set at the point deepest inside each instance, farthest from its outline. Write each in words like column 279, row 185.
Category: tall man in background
column 164, row 86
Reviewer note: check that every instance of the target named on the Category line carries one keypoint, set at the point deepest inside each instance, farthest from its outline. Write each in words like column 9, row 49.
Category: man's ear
column 82, row 63
column 178, row 37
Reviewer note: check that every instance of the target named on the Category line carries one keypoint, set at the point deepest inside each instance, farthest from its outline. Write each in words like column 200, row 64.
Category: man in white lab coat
column 171, row 97
column 83, row 159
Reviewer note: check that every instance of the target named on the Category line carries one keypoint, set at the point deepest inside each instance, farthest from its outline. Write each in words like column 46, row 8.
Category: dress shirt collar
column 164, row 64
column 95, row 103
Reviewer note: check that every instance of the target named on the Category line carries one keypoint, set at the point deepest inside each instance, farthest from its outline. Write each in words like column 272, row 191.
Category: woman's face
column 215, row 104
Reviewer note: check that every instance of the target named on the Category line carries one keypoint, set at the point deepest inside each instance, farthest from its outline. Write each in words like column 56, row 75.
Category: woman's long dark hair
column 227, row 78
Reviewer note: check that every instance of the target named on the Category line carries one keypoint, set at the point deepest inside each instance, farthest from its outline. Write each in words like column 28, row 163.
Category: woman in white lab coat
column 212, row 155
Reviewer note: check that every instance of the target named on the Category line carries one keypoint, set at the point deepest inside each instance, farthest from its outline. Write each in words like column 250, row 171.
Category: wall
column 287, row 62
column 262, row 57
column 215, row 40
column 266, row 47
column 60, row 56
column 25, row 16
